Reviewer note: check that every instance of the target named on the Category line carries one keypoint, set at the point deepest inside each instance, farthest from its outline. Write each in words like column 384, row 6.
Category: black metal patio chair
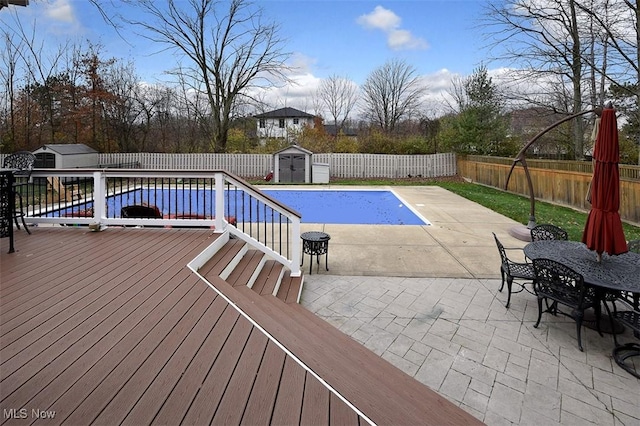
column 562, row 285
column 141, row 211
column 21, row 163
column 629, row 316
column 547, row 231
column 510, row 270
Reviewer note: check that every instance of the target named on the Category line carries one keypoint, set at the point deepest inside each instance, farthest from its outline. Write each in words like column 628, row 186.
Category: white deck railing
column 181, row 198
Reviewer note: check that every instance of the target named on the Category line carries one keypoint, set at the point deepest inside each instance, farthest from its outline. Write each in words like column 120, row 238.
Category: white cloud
column 389, row 23
column 380, row 19
column 402, row 39
column 61, row 11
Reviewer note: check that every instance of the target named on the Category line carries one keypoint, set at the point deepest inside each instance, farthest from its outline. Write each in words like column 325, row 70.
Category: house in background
column 283, row 123
column 6, row 3
column 346, row 131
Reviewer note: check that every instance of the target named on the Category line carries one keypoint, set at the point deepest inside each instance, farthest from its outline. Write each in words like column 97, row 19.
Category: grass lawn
column 511, row 205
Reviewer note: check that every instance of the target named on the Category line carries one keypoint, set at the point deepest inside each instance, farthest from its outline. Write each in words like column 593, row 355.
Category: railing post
column 219, row 212
column 99, row 196
column 296, row 247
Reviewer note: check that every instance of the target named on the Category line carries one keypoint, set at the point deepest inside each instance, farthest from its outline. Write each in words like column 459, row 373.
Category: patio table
column 612, row 274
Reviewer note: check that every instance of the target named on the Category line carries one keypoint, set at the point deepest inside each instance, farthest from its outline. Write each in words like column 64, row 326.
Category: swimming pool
column 364, row 207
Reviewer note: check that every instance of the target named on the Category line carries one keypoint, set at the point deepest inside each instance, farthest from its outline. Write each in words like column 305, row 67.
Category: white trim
column 410, row 207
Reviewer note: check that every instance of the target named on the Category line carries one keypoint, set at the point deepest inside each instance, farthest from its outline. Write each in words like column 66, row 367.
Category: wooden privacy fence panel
column 558, row 186
column 627, row 171
column 343, row 166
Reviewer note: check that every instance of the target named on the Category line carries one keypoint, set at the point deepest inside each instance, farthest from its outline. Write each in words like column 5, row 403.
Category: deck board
column 229, row 411
column 154, row 396
column 288, row 404
column 261, row 401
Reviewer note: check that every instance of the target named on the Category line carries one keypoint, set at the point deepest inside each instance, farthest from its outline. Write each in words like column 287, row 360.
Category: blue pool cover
column 367, row 207
column 348, row 207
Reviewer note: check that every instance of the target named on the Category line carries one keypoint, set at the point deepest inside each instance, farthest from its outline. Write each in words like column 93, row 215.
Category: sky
column 347, row 38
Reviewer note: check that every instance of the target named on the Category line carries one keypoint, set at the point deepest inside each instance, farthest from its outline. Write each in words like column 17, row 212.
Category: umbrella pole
column 520, row 234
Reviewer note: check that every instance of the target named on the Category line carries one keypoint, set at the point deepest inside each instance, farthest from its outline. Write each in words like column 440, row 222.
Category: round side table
column 315, row 243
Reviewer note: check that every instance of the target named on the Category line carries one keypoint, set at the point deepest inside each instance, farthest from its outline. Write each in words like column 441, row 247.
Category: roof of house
column 68, row 148
column 285, row 113
column 6, row 3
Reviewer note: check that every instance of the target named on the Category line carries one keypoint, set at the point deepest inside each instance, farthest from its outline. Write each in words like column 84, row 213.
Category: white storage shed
column 292, row 165
column 65, row 156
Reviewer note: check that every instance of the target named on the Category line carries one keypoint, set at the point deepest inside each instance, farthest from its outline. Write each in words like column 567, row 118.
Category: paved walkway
column 426, row 299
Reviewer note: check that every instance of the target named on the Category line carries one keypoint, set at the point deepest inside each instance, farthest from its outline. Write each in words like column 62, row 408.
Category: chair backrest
column 634, row 246
column 22, row 162
column 501, row 250
column 546, row 231
column 551, row 277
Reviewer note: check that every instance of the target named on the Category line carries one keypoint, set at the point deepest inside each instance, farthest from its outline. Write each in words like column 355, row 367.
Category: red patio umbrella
column 603, row 230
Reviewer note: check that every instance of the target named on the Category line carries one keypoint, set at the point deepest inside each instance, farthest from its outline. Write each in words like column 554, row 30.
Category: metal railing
column 179, row 198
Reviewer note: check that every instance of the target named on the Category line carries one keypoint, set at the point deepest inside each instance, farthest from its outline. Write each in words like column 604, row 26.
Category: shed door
column 291, row 168
column 45, row 160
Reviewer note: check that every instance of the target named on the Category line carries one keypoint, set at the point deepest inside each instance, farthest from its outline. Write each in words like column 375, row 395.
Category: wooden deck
column 112, row 327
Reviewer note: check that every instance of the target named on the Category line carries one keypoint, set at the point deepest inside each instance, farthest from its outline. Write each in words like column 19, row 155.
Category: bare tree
column 587, row 45
column 42, row 72
column 544, row 38
column 9, row 57
column 617, row 23
column 339, row 96
column 230, row 51
column 390, row 93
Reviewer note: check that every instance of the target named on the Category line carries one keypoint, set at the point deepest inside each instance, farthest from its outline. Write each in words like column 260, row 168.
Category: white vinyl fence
column 343, row 166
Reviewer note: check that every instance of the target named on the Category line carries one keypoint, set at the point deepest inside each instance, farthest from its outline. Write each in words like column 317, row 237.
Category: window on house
column 296, row 120
column 281, row 123
column 262, row 123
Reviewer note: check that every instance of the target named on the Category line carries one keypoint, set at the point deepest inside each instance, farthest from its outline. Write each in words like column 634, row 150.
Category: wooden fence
column 561, row 182
column 343, row 166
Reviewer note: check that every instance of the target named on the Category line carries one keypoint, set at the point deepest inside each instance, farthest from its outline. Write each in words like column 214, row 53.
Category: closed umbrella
column 603, row 230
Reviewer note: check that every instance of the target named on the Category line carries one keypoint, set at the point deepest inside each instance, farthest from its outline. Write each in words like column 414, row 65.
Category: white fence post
column 219, row 219
column 99, row 196
column 296, row 248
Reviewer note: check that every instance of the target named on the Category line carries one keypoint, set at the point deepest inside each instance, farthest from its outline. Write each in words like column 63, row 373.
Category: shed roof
column 285, row 112
column 68, row 148
column 294, row 148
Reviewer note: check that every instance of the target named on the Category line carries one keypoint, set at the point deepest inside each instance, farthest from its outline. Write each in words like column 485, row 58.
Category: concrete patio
column 426, row 299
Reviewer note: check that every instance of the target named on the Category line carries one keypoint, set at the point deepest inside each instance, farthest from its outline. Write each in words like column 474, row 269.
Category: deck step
column 269, row 278
column 223, row 257
column 247, row 269
column 290, row 288
column 240, row 265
